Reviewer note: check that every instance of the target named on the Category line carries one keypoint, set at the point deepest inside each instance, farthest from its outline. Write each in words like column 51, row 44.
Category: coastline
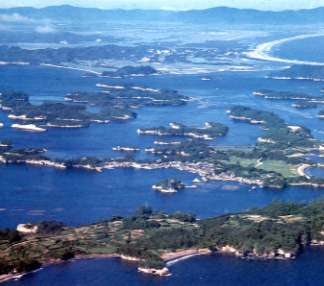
column 174, row 257
column 70, row 68
column 302, row 170
column 262, row 51
column 9, row 277
column 170, row 258
column 201, row 169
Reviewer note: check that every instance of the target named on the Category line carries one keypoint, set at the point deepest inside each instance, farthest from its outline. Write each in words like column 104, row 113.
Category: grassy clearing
column 278, row 166
column 244, row 162
column 281, row 167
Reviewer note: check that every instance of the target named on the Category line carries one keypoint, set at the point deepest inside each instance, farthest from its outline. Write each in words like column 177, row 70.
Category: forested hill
column 213, row 15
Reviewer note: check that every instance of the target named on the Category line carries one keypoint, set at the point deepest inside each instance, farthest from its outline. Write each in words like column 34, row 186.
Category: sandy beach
column 174, row 257
column 262, row 51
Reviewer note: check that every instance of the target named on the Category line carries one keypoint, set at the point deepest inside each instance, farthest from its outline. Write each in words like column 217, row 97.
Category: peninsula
column 152, row 239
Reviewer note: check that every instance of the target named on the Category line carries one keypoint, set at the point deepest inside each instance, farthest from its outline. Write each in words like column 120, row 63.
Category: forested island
column 130, row 71
column 114, row 103
column 209, row 131
column 299, row 100
column 152, row 239
column 300, row 72
column 169, row 186
column 277, row 160
column 321, row 114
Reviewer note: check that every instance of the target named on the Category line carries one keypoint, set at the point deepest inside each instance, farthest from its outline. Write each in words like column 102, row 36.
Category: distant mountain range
column 213, row 15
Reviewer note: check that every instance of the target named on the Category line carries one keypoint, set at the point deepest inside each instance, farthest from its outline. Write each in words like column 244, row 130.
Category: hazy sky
column 172, row 4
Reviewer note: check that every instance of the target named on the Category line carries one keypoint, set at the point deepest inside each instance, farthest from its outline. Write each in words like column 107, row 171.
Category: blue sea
column 308, row 49
column 31, row 194
column 220, row 270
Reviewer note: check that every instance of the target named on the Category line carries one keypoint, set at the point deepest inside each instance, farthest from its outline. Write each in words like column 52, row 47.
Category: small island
column 153, row 239
column 209, row 131
column 169, row 186
column 131, row 71
column 126, row 149
column 305, row 105
column 299, row 100
column 300, row 72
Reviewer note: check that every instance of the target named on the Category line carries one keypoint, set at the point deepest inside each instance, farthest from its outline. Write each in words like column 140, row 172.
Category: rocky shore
column 205, row 170
column 154, row 240
column 170, row 258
